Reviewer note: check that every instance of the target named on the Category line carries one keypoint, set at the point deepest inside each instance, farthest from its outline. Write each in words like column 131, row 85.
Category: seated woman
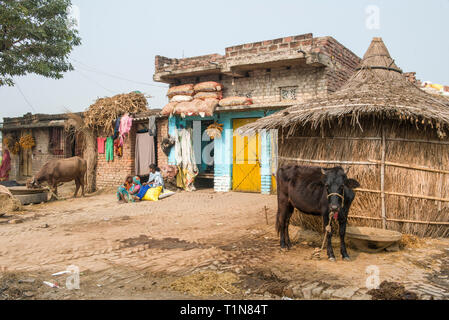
column 127, row 190
column 155, row 180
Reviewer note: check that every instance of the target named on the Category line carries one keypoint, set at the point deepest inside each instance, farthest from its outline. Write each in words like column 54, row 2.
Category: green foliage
column 36, row 36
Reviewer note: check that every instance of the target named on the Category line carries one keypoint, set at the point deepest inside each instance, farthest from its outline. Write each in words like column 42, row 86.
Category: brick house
column 113, row 173
column 275, row 74
column 52, row 142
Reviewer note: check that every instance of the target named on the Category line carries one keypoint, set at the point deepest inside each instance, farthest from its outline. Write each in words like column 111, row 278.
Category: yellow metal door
column 246, row 164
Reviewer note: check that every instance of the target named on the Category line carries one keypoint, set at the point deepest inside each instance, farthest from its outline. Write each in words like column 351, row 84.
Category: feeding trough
column 28, row 196
column 372, row 239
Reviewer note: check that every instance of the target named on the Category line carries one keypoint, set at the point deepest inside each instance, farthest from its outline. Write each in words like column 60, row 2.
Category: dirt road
column 149, row 250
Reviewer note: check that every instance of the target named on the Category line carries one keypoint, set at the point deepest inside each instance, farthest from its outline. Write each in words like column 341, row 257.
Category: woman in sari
column 5, row 166
column 126, row 191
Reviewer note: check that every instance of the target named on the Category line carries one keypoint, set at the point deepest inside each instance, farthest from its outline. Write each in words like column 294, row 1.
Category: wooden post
column 382, row 180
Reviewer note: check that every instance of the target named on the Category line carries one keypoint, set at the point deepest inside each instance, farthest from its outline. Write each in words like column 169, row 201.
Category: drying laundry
column 152, row 126
column 126, row 123
column 145, row 154
column 101, row 144
column 118, row 146
column 109, row 149
column 116, row 128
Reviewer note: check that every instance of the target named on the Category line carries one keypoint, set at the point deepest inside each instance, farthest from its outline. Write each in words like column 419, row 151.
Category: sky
column 121, row 38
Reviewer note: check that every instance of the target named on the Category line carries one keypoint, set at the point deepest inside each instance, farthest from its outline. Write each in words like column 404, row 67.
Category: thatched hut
column 392, row 135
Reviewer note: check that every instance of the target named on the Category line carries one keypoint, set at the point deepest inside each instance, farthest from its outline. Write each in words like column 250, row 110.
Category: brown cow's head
column 32, row 183
column 335, row 181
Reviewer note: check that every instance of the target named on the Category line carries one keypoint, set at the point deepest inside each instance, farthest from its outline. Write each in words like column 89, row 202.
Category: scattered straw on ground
column 207, row 284
column 411, row 241
column 392, row 291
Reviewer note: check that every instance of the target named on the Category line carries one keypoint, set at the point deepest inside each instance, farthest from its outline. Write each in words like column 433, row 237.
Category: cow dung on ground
column 392, row 291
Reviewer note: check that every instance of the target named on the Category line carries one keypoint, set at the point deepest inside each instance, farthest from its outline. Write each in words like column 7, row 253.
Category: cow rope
column 328, row 230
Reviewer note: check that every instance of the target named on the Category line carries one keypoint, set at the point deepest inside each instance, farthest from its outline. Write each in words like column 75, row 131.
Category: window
column 288, row 93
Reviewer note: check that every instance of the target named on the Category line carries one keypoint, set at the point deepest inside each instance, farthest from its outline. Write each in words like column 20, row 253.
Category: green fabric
column 109, row 149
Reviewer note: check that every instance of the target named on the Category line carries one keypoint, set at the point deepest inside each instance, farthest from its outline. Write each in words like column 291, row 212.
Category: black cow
column 315, row 191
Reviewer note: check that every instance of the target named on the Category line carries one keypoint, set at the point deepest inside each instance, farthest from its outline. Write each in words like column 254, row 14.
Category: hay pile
column 103, row 113
column 7, row 201
column 207, row 284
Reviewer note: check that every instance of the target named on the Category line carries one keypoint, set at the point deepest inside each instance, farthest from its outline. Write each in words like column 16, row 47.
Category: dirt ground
column 198, row 245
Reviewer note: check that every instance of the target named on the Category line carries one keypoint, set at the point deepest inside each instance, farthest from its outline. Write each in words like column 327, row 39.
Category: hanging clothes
column 6, row 166
column 109, row 149
column 152, row 126
column 126, row 123
column 144, row 154
column 185, row 159
column 116, row 128
column 118, row 147
column 100, row 144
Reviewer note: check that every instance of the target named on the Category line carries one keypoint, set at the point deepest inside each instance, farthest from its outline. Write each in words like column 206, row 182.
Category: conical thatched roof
column 378, row 88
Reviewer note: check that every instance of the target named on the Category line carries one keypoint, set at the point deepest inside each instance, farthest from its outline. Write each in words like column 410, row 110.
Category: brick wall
column 162, row 131
column 322, row 67
column 264, row 85
column 164, row 64
column 113, row 173
column 273, row 47
column 344, row 62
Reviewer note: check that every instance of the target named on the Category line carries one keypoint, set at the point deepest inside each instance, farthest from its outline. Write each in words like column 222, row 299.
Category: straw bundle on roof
column 105, row 111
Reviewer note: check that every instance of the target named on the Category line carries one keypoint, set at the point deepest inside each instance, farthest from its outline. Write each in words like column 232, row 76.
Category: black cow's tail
column 278, row 214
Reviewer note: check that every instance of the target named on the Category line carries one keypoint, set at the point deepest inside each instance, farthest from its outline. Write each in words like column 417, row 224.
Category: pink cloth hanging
column 126, row 123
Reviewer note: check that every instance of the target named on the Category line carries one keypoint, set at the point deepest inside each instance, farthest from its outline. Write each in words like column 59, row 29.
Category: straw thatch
column 103, row 113
column 389, row 132
column 377, row 89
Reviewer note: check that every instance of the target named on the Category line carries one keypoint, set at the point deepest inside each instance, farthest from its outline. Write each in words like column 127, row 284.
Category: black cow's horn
column 322, row 171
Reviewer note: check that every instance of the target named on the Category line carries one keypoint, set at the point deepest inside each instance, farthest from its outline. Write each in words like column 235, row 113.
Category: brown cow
column 61, row 170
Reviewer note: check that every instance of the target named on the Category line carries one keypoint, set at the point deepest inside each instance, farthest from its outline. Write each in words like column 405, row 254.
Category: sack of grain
column 209, row 95
column 208, row 86
column 168, row 108
column 181, row 98
column 208, row 107
column 235, row 101
column 185, row 108
column 185, row 90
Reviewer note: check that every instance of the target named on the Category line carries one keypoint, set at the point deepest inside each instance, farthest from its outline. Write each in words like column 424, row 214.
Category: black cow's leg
column 330, row 251
column 284, row 211
column 287, row 223
column 342, row 233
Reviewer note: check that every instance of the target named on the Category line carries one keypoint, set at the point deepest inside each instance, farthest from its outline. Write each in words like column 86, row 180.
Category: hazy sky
column 121, row 38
